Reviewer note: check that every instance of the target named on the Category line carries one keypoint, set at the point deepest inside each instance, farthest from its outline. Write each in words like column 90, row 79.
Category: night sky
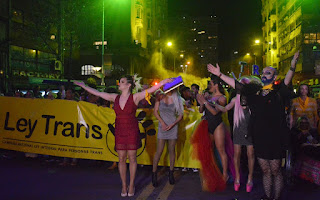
column 240, row 21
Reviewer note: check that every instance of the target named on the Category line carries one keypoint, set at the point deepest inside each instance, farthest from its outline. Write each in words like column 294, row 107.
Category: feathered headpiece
column 137, row 83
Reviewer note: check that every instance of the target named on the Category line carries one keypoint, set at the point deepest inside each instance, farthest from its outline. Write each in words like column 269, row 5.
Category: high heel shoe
column 132, row 194
column 171, row 177
column 124, row 194
column 249, row 186
column 236, row 186
column 154, row 179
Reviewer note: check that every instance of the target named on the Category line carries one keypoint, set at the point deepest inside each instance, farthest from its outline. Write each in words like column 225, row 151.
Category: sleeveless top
column 213, row 120
column 126, row 125
column 168, row 114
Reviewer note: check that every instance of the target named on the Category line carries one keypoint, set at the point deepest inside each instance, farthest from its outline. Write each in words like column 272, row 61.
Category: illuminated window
column 318, row 36
column 139, row 12
column 17, row 16
column 306, row 36
column 87, row 70
column 313, row 36
column 306, row 41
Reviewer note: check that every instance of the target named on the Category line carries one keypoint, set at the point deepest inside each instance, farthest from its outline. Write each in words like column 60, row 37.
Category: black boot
column 171, row 177
column 154, row 179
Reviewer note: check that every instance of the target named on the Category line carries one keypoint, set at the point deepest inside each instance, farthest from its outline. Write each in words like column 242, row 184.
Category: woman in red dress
column 126, row 125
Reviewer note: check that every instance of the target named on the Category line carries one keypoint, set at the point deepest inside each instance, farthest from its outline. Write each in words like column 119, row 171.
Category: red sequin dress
column 126, row 125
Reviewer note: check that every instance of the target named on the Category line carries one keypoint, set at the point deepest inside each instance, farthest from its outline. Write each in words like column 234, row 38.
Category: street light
column 257, row 41
column 169, row 44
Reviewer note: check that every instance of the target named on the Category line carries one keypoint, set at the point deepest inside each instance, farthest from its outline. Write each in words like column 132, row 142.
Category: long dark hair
column 299, row 90
column 131, row 81
column 216, row 80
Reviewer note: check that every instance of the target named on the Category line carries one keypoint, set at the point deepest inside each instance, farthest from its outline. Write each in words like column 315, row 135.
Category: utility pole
column 61, row 30
column 7, row 73
column 102, row 46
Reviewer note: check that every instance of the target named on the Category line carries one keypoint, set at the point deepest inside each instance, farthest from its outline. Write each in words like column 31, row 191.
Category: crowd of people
column 267, row 119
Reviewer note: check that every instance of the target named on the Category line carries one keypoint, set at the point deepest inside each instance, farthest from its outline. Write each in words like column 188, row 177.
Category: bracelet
column 220, row 75
column 292, row 69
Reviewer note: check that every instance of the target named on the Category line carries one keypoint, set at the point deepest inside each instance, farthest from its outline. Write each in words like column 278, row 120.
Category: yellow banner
column 84, row 130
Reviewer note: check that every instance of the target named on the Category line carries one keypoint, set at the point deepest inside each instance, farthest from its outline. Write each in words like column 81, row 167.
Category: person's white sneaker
column 195, row 170
column 184, row 169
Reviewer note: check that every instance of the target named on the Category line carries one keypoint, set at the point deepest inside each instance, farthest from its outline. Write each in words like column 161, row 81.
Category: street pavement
column 36, row 179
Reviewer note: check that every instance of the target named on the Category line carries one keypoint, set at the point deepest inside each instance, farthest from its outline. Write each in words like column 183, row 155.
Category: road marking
column 147, row 191
column 166, row 191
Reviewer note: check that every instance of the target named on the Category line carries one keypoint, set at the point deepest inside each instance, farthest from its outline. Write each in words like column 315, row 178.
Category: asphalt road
column 37, row 179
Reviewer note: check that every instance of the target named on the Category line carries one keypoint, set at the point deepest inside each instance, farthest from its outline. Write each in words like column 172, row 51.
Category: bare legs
column 123, row 169
column 236, row 160
column 250, row 154
column 219, row 138
column 132, row 155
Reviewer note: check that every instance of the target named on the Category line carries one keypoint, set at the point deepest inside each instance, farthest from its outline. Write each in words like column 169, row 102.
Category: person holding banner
column 127, row 139
column 267, row 122
column 169, row 111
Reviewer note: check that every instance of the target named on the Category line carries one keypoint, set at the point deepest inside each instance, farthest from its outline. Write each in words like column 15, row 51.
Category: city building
column 133, row 31
column 57, row 39
column 197, row 41
column 289, row 26
column 29, row 43
column 4, row 44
